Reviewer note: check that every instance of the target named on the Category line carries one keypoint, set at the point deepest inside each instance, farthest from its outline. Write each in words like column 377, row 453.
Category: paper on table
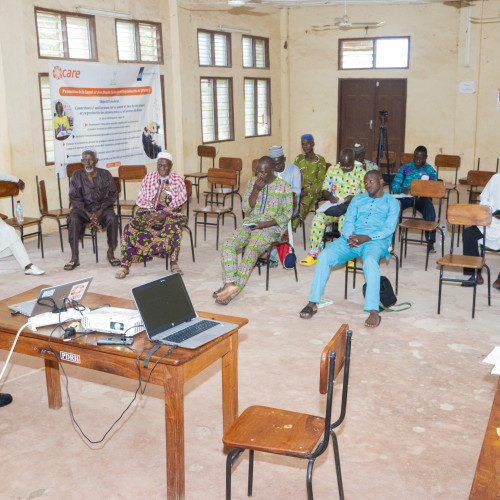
column 493, row 358
column 402, row 195
column 328, row 204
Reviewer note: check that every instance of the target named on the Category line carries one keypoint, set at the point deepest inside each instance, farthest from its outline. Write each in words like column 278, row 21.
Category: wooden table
column 171, row 372
column 486, row 484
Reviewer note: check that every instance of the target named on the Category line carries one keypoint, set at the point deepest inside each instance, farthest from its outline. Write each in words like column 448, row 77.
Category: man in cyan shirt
column 417, row 169
column 370, row 222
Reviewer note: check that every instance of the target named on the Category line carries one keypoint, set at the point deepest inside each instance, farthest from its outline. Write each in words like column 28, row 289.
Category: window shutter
column 149, row 42
column 262, row 108
column 207, row 110
column 260, row 53
column 220, row 46
column 77, row 29
column 50, row 34
column 223, row 111
column 249, row 108
column 125, row 39
column 48, row 119
column 247, row 51
column 204, row 49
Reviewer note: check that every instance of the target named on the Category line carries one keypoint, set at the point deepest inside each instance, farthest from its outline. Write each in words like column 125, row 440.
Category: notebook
column 169, row 316
column 74, row 291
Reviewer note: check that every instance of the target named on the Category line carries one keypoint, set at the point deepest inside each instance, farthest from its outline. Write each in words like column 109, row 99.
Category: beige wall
column 304, row 79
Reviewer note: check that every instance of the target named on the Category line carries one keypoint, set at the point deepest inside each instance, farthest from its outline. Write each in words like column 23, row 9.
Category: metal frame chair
column 449, row 161
column 128, row 173
column 477, row 179
column 405, row 158
column 267, row 259
column 235, row 164
column 466, row 215
column 8, row 188
column 203, row 152
column 293, row 434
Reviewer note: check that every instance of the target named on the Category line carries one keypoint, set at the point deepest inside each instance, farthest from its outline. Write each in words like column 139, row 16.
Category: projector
column 116, row 320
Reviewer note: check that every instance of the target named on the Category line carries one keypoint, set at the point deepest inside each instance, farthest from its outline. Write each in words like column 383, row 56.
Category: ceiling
column 316, row 3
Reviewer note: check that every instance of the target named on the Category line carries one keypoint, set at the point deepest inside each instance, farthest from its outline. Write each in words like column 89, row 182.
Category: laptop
column 169, row 316
column 54, row 295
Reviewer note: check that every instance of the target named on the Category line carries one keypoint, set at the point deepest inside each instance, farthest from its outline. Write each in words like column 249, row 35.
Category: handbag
column 337, row 210
column 388, row 297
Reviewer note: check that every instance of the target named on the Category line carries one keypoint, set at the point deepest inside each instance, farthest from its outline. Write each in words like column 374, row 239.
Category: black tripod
column 383, row 145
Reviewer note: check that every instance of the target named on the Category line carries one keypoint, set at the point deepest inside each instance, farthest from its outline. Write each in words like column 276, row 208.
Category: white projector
column 126, row 322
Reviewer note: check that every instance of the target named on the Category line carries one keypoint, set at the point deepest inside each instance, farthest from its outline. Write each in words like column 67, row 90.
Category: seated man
column 490, row 197
column 418, row 169
column 10, row 243
column 288, row 172
column 359, row 157
column 267, row 204
column 368, row 227
column 343, row 180
column 92, row 193
column 313, row 169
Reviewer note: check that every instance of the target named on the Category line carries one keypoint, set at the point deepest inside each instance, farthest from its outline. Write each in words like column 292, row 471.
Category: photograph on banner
column 115, row 110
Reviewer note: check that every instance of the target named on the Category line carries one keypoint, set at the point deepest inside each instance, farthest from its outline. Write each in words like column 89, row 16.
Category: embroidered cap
column 307, row 136
column 90, row 150
column 357, row 147
column 164, row 155
column 276, row 152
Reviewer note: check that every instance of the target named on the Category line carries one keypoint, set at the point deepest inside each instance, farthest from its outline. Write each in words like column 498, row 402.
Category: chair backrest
column 406, row 158
column 429, row 189
column 469, row 215
column 118, row 185
column 189, row 192
column 222, row 176
column 254, row 165
column 235, row 164
column 328, row 165
column 383, row 160
column 8, row 188
column 207, row 151
column 447, row 161
column 72, row 167
column 42, row 197
column 479, row 177
column 132, row 172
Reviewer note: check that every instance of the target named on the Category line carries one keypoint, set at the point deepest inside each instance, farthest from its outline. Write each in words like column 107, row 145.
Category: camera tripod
column 383, row 146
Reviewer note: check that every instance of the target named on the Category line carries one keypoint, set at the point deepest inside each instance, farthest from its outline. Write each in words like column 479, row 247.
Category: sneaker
column 5, row 399
column 34, row 270
column 430, row 245
column 273, row 263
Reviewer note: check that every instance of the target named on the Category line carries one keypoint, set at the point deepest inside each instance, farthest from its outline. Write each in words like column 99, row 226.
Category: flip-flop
column 308, row 261
column 124, row 271
column 225, row 302
column 308, row 312
column 114, row 262
column 214, row 294
column 176, row 269
column 71, row 265
column 374, row 326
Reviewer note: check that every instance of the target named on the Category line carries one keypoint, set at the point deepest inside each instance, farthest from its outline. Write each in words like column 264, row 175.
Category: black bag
column 337, row 210
column 388, row 297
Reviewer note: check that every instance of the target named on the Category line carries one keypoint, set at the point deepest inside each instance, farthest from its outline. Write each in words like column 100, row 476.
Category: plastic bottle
column 443, row 228
column 19, row 212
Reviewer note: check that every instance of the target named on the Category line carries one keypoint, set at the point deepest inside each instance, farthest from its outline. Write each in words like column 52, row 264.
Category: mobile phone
column 115, row 341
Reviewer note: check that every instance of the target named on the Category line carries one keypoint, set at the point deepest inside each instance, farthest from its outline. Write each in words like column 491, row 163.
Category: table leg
column 53, row 383
column 174, row 423
column 230, row 385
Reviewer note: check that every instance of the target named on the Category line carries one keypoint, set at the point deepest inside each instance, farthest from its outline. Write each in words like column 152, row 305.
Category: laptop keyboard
column 190, row 331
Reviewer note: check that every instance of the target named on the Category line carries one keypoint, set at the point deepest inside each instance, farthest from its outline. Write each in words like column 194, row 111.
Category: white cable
column 12, row 350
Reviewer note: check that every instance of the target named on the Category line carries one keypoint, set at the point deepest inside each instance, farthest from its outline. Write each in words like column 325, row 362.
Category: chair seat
column 419, row 224
column 449, row 186
column 218, row 191
column 127, row 203
column 461, row 261
column 275, row 431
column 57, row 212
column 28, row 221
column 213, row 209
column 196, row 175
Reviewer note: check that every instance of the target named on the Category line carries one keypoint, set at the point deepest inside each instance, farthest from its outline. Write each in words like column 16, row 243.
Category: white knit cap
column 164, row 155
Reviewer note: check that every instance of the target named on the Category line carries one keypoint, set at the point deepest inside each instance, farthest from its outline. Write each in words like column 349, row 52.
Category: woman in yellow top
column 61, row 123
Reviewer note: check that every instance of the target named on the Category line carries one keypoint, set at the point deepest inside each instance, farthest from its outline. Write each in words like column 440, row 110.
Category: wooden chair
column 11, row 189
column 453, row 162
column 300, row 435
column 383, row 166
column 477, row 179
column 57, row 214
column 427, row 189
column 203, row 152
column 235, row 164
column 189, row 191
column 216, row 176
column 405, row 158
column 128, row 173
column 71, row 167
column 254, row 165
column 465, row 215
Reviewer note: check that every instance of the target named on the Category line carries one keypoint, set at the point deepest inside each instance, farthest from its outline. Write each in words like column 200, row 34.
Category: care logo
column 59, row 73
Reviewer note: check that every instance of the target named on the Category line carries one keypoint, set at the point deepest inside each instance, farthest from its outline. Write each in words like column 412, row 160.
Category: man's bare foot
column 480, row 280
column 496, row 283
column 229, row 289
column 373, row 319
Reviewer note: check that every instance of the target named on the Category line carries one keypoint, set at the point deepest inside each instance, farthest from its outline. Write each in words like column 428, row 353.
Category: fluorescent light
column 91, row 11
column 233, row 29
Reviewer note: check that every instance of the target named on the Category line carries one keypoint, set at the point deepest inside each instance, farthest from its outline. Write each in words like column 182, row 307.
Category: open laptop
column 169, row 315
column 54, row 295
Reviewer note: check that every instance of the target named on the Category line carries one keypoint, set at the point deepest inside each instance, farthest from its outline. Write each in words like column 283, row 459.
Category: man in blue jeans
column 370, row 222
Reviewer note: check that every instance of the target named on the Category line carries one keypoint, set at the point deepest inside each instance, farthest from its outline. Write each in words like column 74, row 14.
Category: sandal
column 174, row 267
column 225, row 302
column 122, row 273
column 308, row 261
column 71, row 265
column 214, row 294
column 308, row 312
column 114, row 261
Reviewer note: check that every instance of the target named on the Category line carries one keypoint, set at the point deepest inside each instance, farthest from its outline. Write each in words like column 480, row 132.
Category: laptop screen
column 163, row 304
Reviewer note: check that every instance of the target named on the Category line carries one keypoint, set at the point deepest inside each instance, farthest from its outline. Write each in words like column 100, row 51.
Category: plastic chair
column 203, row 152
column 57, row 214
column 11, row 189
column 300, row 435
column 216, row 176
column 465, row 215
column 427, row 189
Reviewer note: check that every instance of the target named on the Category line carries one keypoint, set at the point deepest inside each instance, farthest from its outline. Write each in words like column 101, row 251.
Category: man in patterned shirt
column 359, row 157
column 343, row 180
column 417, row 169
column 313, row 170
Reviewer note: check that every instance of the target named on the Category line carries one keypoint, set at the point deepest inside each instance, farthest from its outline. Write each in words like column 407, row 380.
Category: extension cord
column 48, row 318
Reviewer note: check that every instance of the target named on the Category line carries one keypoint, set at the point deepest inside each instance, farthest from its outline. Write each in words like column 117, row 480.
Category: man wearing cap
column 359, row 157
column 92, row 193
column 313, row 169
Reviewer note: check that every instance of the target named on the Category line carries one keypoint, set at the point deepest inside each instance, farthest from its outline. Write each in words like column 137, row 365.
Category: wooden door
column 359, row 120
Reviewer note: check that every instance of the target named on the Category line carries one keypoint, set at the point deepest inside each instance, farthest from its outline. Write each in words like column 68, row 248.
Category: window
column 64, row 35
column 257, row 107
column 214, row 48
column 369, row 53
column 47, row 118
column 139, row 41
column 217, row 109
column 255, row 52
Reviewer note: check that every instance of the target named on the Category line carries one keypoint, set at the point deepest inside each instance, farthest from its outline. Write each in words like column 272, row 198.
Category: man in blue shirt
column 418, row 169
column 288, row 172
column 368, row 228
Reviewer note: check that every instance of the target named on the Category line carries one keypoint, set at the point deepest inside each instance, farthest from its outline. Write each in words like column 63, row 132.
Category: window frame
column 159, row 40
column 213, row 79
column 374, row 53
column 40, row 76
column 254, row 56
column 255, row 106
column 64, row 14
column 212, row 48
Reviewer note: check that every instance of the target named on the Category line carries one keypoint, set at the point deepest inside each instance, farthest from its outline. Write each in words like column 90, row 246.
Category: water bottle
column 443, row 228
column 19, row 213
